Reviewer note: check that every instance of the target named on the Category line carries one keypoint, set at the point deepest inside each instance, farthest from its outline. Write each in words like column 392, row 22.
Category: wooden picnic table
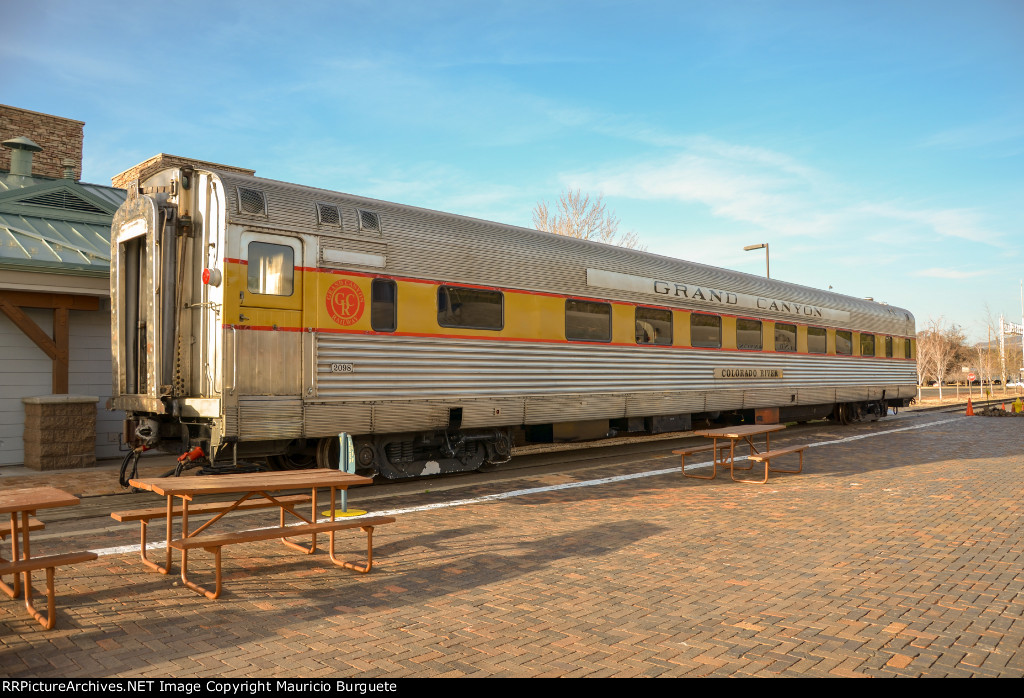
column 22, row 505
column 735, row 435
column 248, row 486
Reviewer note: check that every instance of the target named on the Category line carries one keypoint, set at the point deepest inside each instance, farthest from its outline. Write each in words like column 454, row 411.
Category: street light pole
column 767, row 263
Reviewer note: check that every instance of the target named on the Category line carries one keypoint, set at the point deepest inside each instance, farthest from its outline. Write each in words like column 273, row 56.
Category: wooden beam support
column 29, row 327
column 61, row 361
column 35, row 299
column 59, row 347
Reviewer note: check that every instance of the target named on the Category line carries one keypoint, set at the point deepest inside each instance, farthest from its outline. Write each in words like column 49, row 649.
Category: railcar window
column 817, row 340
column 653, row 326
column 588, row 322
column 471, row 308
column 906, row 347
column 383, row 305
column 888, row 347
column 271, row 269
column 785, row 337
column 867, row 344
column 705, row 330
column 844, row 342
column 749, row 335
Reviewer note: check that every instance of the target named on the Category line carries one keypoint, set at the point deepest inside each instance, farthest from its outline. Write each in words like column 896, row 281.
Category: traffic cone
column 970, row 408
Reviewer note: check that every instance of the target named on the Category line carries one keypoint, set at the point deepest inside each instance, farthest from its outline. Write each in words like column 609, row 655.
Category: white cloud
column 777, row 194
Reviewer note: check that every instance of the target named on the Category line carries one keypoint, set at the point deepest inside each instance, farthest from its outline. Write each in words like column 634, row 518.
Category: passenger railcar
column 256, row 318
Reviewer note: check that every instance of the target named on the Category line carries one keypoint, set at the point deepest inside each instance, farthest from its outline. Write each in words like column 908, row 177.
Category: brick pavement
column 899, row 554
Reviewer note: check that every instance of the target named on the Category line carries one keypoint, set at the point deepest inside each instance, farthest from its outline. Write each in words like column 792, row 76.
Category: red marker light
column 211, row 277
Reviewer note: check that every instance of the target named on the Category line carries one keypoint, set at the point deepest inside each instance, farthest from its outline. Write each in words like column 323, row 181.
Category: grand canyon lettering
column 710, row 296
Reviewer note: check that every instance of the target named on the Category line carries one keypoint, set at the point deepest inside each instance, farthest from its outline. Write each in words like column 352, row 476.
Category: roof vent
column 369, row 221
column 327, row 214
column 21, row 155
column 252, row 201
column 62, row 199
column 69, row 168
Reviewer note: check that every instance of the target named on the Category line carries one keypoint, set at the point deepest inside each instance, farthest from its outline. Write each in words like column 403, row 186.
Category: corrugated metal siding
column 571, row 408
column 567, row 382
column 231, row 420
column 262, row 418
column 768, row 397
column 403, row 368
column 723, row 400
column 851, row 394
column 816, row 396
column 649, row 404
column 334, row 418
column 392, row 417
column 493, row 412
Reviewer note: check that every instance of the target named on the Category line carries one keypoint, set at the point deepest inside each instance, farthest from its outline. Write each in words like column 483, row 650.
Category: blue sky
column 878, row 147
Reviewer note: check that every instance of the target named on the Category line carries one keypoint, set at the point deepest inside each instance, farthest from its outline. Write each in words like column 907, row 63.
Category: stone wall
column 59, row 138
column 60, row 431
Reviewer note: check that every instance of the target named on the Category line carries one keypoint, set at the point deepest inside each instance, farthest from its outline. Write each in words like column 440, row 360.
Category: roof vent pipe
column 69, row 168
column 21, row 155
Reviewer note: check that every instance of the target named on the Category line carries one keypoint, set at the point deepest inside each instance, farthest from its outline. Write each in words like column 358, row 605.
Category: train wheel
column 366, row 457
column 297, row 457
column 328, row 451
column 499, row 451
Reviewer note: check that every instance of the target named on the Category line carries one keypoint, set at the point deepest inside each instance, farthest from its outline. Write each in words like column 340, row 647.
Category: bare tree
column 577, row 216
column 925, row 351
column 939, row 349
column 988, row 352
column 987, row 361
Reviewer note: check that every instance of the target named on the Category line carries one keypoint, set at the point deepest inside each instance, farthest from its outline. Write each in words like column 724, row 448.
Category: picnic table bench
column 767, row 456
column 684, row 452
column 247, row 485
column 34, row 524
column 144, row 516
column 214, row 542
column 22, row 504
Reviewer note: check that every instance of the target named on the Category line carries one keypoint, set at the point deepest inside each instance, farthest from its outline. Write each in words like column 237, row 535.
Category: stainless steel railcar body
column 255, row 317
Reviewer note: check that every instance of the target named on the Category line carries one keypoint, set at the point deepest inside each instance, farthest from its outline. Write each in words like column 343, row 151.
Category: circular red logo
column 345, row 302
